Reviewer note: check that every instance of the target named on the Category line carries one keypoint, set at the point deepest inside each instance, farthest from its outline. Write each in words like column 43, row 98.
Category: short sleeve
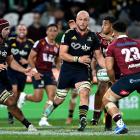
column 96, row 42
column 109, row 51
column 36, row 46
column 65, row 38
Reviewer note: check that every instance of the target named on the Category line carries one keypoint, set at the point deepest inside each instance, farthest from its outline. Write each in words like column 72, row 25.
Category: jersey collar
column 122, row 36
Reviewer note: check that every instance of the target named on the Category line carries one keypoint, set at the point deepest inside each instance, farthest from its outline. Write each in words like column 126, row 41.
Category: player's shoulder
column 30, row 41
column 70, row 31
column 12, row 39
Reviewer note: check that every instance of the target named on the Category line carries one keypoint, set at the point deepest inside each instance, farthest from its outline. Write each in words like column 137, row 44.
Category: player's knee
column 7, row 97
column 61, row 93
column 109, row 105
column 83, row 87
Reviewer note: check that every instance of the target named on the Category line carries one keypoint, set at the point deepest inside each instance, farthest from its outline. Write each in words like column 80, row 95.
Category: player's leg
column 13, row 77
column 109, row 100
column 38, row 93
column 83, row 89
column 50, row 90
column 8, row 98
column 98, row 106
column 17, row 88
column 72, row 105
column 61, row 93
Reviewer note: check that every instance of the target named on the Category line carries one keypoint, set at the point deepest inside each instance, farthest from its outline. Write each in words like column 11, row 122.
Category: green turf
column 61, row 131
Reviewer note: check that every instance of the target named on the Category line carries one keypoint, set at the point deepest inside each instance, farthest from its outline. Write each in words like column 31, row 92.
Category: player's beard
column 82, row 29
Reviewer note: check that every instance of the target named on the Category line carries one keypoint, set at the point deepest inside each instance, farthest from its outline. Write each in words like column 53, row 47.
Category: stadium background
column 60, row 11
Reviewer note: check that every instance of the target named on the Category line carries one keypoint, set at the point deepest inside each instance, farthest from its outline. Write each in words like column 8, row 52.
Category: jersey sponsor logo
column 3, row 53
column 133, row 66
column 74, row 38
column 134, row 81
column 124, row 92
column 77, row 46
column 48, row 57
column 16, row 51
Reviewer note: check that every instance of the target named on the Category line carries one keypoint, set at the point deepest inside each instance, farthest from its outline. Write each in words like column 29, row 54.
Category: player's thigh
column 51, row 91
column 21, row 81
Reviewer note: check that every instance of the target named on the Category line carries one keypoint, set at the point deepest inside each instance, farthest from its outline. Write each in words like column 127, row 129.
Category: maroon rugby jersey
column 46, row 54
column 104, row 43
column 126, row 53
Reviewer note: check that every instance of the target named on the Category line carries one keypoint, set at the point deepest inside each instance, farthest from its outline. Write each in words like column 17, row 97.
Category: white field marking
column 67, row 131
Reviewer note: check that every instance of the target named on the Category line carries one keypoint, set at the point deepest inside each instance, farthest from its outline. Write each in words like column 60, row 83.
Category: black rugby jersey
column 5, row 51
column 80, row 45
column 20, row 49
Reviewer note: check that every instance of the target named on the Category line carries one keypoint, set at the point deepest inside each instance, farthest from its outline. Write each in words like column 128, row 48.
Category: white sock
column 120, row 123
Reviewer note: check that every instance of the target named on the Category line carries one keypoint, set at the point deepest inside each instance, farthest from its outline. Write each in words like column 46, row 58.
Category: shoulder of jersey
column 30, row 40
column 69, row 31
column 12, row 39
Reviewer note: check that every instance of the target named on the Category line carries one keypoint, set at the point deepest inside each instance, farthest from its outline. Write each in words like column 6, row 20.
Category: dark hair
column 111, row 19
column 51, row 25
column 120, row 26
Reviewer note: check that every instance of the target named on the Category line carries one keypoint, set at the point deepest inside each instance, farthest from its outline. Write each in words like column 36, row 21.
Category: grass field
column 59, row 130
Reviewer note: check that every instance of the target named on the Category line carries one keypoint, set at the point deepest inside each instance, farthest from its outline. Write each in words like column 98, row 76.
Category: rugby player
column 42, row 57
column 76, row 51
column 7, row 97
column 106, row 37
column 20, row 48
column 125, row 53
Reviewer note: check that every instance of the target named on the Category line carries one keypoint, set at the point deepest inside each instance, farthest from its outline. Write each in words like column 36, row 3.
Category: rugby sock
column 97, row 114
column 118, row 119
column 50, row 109
column 108, row 120
column 26, row 123
column 70, row 113
column 83, row 111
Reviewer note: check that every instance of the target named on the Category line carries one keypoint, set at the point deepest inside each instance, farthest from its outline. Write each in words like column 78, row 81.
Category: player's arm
column 32, row 58
column 109, row 61
column 99, row 57
column 15, row 65
column 64, row 55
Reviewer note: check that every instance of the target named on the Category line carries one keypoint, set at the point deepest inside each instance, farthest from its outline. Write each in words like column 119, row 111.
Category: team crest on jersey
column 89, row 38
column 3, row 53
column 13, row 45
column 74, row 38
column 55, row 49
column 43, row 43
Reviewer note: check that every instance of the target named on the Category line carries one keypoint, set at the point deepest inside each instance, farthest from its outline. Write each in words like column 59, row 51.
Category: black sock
column 83, row 111
column 55, row 105
column 10, row 115
column 117, row 117
column 26, row 123
column 108, row 120
column 71, row 113
column 96, row 115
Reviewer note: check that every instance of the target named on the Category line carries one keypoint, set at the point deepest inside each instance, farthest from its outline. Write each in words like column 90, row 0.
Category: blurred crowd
column 40, row 13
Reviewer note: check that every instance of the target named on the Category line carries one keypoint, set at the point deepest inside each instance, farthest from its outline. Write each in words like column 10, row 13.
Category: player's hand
column 38, row 76
column 23, row 61
column 28, row 72
column 3, row 67
column 106, row 37
column 85, row 59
